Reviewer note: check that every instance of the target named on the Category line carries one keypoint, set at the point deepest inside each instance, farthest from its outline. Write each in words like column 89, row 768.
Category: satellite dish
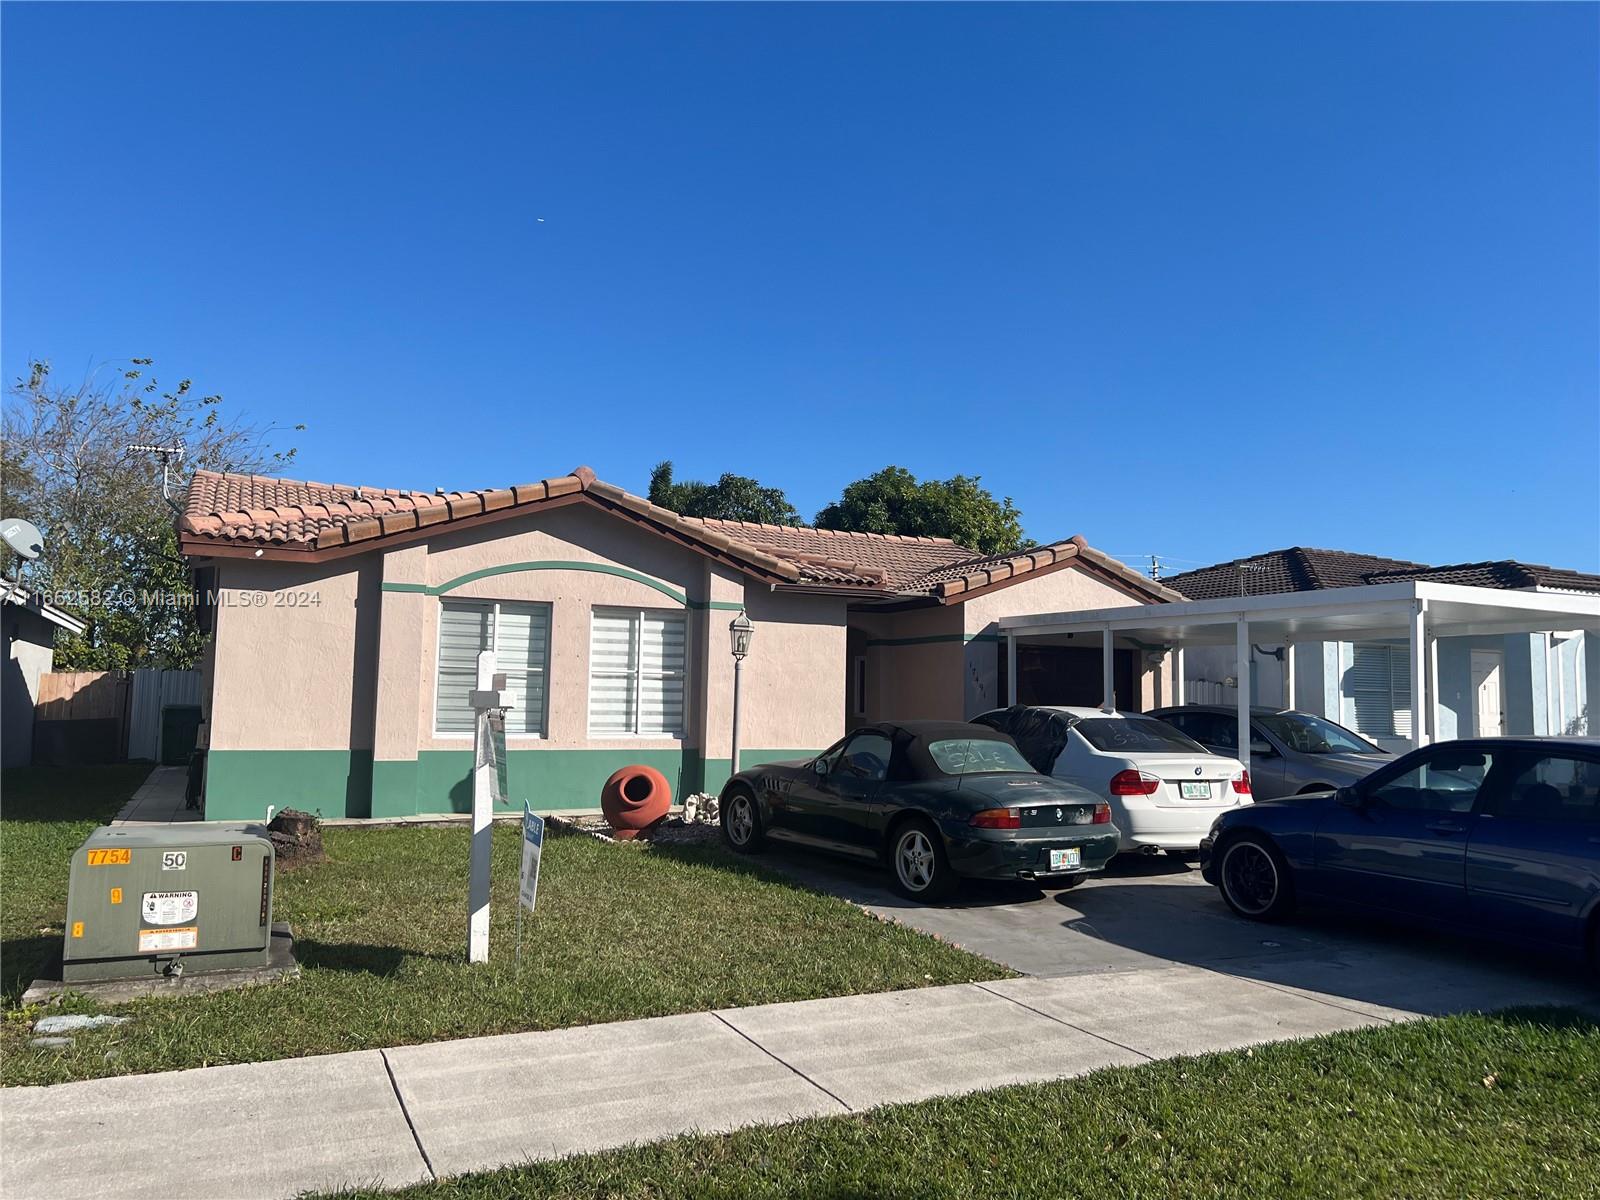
column 22, row 537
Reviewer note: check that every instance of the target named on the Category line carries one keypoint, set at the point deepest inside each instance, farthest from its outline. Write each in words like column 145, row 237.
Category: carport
column 1418, row 611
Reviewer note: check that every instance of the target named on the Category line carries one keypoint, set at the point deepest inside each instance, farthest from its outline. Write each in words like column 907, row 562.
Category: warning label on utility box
column 151, row 940
column 170, row 908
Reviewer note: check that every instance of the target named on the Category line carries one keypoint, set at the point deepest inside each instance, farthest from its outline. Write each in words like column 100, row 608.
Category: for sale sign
column 532, row 844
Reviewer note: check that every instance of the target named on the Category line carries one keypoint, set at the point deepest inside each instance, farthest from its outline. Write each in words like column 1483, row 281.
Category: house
column 30, row 629
column 346, row 622
column 1532, row 682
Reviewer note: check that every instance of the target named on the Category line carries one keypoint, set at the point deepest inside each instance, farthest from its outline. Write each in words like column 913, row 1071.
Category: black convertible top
column 909, row 758
column 1040, row 733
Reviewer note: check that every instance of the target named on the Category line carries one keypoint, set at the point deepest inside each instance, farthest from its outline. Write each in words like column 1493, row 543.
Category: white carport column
column 1108, row 684
column 1179, row 691
column 1242, row 647
column 1011, row 669
column 1288, row 674
column 1417, row 656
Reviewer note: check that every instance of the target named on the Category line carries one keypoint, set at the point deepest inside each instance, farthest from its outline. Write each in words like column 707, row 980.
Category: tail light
column 997, row 818
column 1102, row 813
column 1134, row 783
column 1241, row 783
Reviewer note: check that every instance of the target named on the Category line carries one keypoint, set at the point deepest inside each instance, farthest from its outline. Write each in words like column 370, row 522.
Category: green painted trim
column 338, row 783
column 932, row 639
column 240, row 784
column 564, row 565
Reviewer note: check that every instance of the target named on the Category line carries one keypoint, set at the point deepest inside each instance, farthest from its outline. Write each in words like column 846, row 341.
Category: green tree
column 959, row 508
column 731, row 498
column 110, row 550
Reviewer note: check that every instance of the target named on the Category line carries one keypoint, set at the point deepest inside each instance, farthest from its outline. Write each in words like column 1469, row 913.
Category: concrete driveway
column 1157, row 911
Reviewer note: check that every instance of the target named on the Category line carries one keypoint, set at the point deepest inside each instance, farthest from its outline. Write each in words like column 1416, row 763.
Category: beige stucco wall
column 289, row 671
column 356, row 669
column 914, row 663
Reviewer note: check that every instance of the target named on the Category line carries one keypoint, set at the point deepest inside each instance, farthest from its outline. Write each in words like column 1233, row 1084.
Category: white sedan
column 1164, row 788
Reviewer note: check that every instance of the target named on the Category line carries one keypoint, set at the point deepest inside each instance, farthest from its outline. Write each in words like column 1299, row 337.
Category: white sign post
column 528, row 887
column 488, row 788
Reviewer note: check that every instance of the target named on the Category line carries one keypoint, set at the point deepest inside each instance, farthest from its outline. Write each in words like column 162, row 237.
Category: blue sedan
column 1499, row 835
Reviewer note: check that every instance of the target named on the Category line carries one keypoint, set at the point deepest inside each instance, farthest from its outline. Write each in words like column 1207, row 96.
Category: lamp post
column 740, row 633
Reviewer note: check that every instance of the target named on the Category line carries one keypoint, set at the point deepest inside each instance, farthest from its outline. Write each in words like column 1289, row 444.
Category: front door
column 1533, row 861
column 1488, row 712
column 1404, row 846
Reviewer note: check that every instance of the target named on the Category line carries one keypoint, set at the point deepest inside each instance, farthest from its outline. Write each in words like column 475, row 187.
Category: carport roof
column 1330, row 614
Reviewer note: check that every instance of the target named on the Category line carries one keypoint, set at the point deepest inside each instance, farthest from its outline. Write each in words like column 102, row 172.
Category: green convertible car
column 934, row 800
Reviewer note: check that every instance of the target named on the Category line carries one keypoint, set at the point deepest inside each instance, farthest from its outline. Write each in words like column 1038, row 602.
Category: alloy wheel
column 914, row 860
column 1251, row 877
column 741, row 820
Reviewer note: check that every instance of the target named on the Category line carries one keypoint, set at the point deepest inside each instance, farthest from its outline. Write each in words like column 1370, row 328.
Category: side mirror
column 820, row 766
column 1261, row 748
column 1348, row 797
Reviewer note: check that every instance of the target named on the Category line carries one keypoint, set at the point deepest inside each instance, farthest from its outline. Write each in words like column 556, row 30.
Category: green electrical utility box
column 168, row 899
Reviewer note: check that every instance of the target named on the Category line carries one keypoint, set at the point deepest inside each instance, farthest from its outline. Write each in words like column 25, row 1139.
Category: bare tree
column 111, row 554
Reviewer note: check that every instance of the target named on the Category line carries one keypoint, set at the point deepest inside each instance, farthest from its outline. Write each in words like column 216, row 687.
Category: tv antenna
column 166, row 455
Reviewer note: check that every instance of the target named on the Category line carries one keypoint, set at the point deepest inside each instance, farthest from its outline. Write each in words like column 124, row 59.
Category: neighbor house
column 1540, row 682
column 346, row 623
column 31, row 626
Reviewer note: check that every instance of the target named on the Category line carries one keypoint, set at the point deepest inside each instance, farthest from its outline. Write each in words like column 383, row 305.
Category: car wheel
column 1253, row 877
column 918, row 865
column 741, row 823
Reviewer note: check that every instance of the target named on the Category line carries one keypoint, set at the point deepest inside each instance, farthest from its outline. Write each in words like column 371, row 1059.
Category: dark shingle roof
column 1302, row 569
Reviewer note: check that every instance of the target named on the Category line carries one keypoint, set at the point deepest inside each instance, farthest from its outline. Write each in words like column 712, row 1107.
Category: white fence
column 153, row 691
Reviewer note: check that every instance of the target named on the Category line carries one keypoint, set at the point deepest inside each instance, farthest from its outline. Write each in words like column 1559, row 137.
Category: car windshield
column 977, row 756
column 1136, row 734
column 1312, row 735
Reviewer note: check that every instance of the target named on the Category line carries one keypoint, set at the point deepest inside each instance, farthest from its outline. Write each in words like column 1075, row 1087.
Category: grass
column 620, row 932
column 44, row 817
column 1468, row 1106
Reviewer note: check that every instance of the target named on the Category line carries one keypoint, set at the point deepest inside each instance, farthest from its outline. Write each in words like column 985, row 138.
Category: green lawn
column 44, row 816
column 1470, row 1106
column 620, row 932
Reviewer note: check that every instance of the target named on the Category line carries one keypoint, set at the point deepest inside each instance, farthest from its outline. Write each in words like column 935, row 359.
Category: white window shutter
column 463, row 631
column 612, row 665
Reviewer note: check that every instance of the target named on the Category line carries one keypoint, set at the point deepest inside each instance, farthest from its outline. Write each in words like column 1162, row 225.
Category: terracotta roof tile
column 224, row 510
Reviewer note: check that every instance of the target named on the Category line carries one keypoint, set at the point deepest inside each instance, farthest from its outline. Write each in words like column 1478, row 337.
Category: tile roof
column 1302, row 569
column 231, row 514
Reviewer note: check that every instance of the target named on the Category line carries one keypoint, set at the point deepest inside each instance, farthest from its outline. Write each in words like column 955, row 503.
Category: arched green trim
column 561, row 565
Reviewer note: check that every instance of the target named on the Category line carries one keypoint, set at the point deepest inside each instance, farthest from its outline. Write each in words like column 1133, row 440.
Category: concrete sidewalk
column 414, row 1113
column 159, row 800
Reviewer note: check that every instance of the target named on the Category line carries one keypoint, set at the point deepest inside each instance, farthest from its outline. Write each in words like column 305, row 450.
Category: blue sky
column 1198, row 281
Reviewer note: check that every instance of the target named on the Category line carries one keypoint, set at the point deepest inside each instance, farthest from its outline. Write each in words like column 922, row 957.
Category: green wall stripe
column 564, row 565
column 935, row 638
column 339, row 783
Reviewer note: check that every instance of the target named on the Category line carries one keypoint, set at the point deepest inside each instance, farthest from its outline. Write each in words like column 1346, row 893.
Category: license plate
column 1195, row 791
column 1065, row 860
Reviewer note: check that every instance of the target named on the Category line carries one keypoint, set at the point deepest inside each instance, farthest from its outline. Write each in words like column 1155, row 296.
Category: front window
column 977, row 756
column 1136, row 735
column 1445, row 781
column 1378, row 690
column 519, row 635
column 866, row 758
column 1306, row 734
column 636, row 673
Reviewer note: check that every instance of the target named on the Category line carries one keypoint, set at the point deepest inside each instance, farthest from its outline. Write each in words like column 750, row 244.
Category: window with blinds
column 636, row 670
column 1379, row 687
column 519, row 635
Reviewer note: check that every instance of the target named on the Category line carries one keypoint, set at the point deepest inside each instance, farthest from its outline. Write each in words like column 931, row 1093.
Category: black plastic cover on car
column 1040, row 733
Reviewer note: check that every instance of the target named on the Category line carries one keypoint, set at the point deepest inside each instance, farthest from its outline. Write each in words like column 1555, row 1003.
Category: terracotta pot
column 634, row 799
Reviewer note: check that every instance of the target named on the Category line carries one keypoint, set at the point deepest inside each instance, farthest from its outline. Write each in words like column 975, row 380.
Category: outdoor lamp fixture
column 740, row 632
